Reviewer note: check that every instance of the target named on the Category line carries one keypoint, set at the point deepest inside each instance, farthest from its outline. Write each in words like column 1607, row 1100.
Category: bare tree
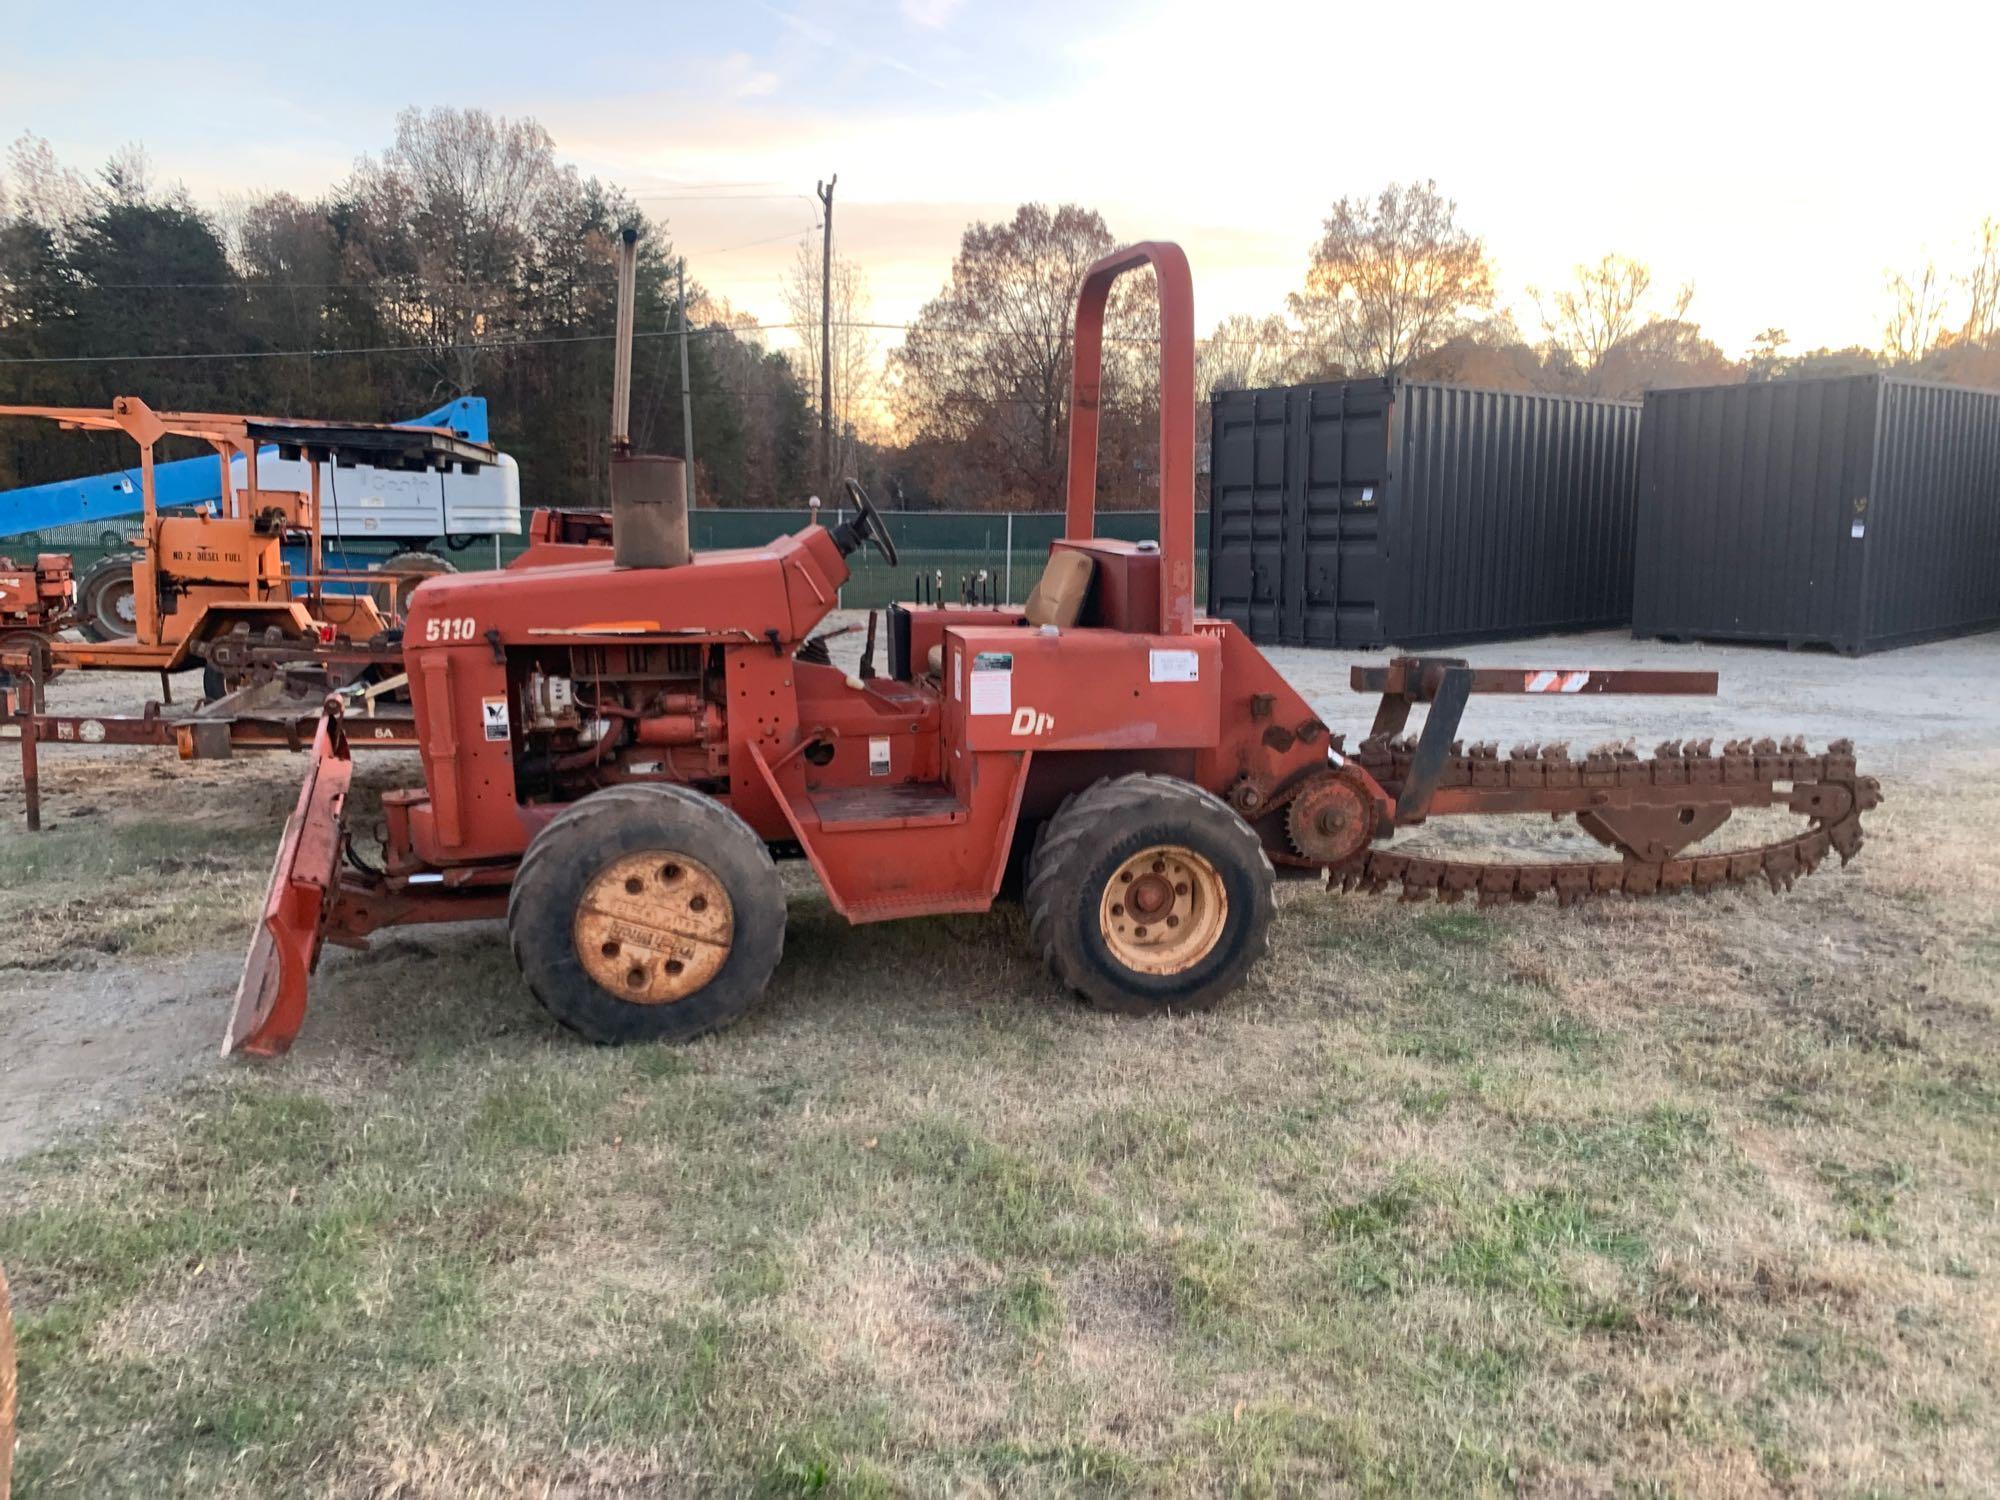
column 1391, row 279
column 43, row 191
column 1916, row 315
column 1591, row 316
column 1246, row 353
column 453, row 205
column 857, row 394
column 1982, row 288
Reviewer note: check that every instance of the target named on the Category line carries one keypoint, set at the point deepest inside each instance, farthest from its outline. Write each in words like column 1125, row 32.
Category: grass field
column 1685, row 1197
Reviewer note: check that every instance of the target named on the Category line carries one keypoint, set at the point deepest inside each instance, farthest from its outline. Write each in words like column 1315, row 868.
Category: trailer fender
column 284, row 948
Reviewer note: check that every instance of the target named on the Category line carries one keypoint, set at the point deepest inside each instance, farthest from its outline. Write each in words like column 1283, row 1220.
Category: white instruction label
column 992, row 683
column 1174, row 666
column 493, row 717
column 878, row 755
column 1858, row 530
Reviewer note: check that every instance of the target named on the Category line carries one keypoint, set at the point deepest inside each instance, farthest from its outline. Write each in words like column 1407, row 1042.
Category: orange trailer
column 202, row 577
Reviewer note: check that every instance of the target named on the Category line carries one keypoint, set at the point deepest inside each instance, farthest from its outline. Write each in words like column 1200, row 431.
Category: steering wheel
column 868, row 526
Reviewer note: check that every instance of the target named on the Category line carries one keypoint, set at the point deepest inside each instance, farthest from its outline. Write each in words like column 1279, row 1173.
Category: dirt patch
column 87, row 1045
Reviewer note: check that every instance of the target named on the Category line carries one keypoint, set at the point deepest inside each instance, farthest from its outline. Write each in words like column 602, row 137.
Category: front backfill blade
column 271, row 998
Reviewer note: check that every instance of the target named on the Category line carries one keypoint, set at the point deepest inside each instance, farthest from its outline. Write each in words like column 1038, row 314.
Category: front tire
column 1146, row 894
column 647, row 913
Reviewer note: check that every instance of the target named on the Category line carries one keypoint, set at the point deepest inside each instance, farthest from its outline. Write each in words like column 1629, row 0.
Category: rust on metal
column 271, row 999
column 1162, row 910
column 1651, row 810
column 654, row 927
column 1328, row 819
column 1419, row 678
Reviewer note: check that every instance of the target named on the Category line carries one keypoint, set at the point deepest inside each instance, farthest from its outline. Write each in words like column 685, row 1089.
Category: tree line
column 466, row 259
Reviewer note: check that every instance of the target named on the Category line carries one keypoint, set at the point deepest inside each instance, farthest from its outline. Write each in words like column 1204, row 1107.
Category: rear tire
column 106, row 599
column 411, row 569
column 1146, row 894
column 647, row 913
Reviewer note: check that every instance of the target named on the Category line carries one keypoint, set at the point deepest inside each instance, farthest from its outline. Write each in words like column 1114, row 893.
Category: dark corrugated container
column 1859, row 513
column 1364, row 512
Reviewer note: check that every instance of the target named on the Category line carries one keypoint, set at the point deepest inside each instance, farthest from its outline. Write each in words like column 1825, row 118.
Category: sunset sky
column 1783, row 158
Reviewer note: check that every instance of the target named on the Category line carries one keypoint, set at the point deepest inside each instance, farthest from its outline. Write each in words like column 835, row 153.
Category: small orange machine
column 35, row 600
column 220, row 573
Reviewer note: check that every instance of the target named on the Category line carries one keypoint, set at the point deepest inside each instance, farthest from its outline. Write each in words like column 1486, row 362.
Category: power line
column 790, row 234
column 495, row 345
column 498, row 345
column 714, row 197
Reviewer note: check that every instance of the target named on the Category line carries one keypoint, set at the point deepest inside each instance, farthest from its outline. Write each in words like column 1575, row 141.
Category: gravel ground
column 1936, row 698
column 1897, row 706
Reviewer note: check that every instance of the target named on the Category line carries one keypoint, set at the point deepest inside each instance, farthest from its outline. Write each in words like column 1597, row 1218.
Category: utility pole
column 825, row 191
column 687, row 396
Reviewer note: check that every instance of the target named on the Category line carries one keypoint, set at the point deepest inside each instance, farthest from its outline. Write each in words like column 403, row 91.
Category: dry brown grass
column 1685, row 1197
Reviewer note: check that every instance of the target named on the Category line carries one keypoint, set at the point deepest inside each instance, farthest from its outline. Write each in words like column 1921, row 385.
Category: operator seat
column 1056, row 599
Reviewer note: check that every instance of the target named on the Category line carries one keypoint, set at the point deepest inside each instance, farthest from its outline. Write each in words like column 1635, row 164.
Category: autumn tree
column 1391, row 279
column 984, row 370
column 1492, row 355
column 1766, row 360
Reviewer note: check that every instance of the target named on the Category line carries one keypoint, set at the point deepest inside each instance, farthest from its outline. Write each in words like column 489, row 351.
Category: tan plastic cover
column 1058, row 598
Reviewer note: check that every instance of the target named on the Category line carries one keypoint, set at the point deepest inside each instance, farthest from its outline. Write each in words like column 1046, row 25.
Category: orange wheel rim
column 653, row 928
column 1163, row 910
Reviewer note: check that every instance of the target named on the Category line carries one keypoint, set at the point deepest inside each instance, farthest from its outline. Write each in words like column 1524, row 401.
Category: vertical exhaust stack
column 649, row 516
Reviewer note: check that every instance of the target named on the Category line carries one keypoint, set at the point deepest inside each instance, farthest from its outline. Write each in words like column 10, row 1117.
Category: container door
column 1246, row 517
column 1340, row 467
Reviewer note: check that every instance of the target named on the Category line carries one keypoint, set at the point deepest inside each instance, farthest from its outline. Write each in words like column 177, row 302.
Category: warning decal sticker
column 992, row 683
column 493, row 716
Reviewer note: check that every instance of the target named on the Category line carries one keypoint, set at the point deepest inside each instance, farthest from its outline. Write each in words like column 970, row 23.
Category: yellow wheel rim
column 654, row 928
column 1163, row 910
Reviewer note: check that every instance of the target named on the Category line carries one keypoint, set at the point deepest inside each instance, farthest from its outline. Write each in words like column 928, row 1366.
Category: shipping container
column 1364, row 513
column 1857, row 513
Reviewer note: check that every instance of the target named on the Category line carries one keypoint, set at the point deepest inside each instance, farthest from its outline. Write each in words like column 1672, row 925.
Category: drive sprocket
column 1328, row 820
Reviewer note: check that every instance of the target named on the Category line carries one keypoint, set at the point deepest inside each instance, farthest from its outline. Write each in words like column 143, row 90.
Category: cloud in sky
column 1763, row 152
column 931, row 13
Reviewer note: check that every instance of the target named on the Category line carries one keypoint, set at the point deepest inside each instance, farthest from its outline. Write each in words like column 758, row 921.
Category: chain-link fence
column 993, row 552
